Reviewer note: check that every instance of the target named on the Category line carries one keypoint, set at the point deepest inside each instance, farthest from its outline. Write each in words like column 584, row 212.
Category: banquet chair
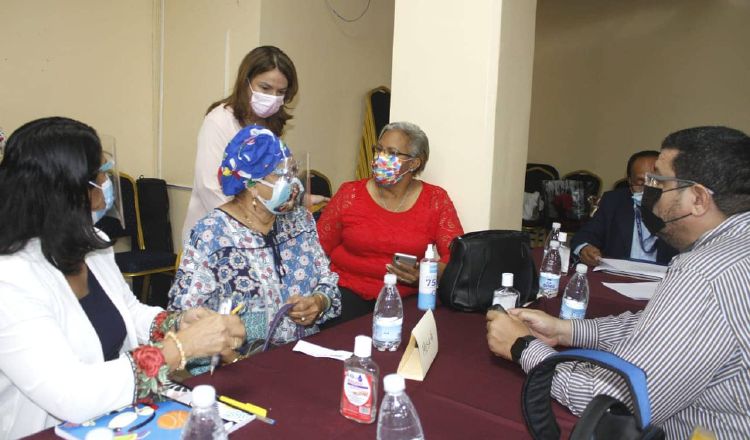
column 319, row 184
column 151, row 252
column 377, row 116
column 592, row 182
column 536, row 174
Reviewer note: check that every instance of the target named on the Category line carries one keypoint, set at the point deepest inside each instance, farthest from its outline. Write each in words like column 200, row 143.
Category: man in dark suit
column 616, row 230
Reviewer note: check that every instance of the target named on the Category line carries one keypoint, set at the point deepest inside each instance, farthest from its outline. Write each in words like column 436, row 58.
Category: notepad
column 637, row 269
column 141, row 421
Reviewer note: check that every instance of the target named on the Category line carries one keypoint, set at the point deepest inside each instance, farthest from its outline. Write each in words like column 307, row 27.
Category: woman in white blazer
column 74, row 340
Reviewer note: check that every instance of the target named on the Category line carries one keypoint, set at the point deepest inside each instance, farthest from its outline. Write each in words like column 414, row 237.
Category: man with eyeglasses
column 693, row 338
column 617, row 230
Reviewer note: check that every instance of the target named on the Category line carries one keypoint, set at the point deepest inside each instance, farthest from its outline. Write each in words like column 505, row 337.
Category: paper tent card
column 422, row 349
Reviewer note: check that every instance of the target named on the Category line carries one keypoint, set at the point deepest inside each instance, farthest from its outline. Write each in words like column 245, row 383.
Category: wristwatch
column 519, row 346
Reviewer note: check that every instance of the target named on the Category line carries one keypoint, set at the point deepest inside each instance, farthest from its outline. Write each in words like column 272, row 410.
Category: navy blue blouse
column 105, row 318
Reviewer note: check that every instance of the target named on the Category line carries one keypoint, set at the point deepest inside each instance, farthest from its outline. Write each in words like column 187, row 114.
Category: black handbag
column 478, row 260
column 604, row 417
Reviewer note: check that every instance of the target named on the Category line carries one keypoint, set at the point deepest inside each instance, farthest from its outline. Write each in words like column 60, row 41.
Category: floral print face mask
column 386, row 169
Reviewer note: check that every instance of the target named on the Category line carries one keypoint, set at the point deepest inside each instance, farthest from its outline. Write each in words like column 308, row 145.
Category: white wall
column 612, row 77
column 337, row 63
column 451, row 66
column 88, row 60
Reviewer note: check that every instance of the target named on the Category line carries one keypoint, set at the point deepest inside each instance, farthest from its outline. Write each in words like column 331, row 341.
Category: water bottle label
column 357, row 398
column 572, row 309
column 549, row 282
column 387, row 329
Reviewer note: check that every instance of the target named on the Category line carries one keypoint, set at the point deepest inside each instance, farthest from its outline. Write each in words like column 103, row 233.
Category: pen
column 225, row 308
column 237, row 309
column 258, row 412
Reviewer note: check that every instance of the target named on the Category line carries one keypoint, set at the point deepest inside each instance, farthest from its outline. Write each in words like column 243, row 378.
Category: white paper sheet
column 318, row 351
column 634, row 290
column 635, row 269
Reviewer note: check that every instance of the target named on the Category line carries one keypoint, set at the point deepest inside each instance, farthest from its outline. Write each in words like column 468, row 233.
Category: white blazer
column 51, row 362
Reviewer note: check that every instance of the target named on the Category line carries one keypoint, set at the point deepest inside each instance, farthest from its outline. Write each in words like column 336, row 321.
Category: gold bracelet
column 326, row 304
column 171, row 335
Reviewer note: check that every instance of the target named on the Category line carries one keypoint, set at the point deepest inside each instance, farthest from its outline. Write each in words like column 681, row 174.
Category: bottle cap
column 554, row 244
column 430, row 252
column 581, row 268
column 556, row 225
column 390, row 279
column 394, row 383
column 362, row 346
column 563, row 237
column 203, row 396
column 507, row 279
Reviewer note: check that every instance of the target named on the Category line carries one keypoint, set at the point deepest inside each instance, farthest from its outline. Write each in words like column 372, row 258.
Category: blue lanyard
column 640, row 231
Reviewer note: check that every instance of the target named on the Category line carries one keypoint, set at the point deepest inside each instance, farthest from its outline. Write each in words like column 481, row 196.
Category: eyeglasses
column 657, row 181
column 377, row 150
column 287, row 168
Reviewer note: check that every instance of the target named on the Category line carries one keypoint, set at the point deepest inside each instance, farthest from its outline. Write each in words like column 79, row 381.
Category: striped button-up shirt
column 692, row 340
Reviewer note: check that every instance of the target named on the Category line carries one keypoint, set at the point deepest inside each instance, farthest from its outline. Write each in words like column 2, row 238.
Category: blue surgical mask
column 637, row 197
column 109, row 199
column 282, row 192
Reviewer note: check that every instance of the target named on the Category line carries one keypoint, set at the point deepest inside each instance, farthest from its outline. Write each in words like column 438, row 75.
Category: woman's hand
column 405, row 273
column 191, row 316
column 315, row 199
column 550, row 330
column 306, row 308
column 211, row 334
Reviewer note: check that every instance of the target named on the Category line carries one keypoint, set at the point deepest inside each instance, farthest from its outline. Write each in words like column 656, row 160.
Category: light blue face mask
column 109, row 199
column 637, row 197
column 282, row 193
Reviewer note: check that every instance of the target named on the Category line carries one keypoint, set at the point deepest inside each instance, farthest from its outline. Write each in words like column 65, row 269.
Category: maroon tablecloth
column 468, row 392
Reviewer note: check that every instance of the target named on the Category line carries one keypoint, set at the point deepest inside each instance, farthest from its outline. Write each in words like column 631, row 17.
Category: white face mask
column 265, row 105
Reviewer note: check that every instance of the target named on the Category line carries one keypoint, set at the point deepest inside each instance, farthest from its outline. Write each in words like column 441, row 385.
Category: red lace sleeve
column 449, row 226
column 329, row 224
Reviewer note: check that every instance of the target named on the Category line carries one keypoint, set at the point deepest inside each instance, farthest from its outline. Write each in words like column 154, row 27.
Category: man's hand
column 548, row 329
column 502, row 331
column 591, row 255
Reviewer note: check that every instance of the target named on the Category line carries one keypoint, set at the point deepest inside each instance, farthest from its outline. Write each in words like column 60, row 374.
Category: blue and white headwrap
column 252, row 154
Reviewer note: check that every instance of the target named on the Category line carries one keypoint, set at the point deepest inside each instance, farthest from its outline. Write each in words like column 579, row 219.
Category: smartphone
column 498, row 308
column 409, row 260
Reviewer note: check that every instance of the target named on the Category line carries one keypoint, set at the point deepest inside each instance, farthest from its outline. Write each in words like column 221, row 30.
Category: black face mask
column 653, row 222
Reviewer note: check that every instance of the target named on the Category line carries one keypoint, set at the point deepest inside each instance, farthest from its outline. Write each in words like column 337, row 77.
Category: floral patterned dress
column 224, row 259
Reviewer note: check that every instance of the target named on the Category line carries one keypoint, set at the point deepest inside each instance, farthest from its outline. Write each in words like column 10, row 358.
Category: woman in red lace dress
column 369, row 220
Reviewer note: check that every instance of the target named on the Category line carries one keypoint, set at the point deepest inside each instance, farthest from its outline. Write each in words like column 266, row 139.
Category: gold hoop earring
column 255, row 205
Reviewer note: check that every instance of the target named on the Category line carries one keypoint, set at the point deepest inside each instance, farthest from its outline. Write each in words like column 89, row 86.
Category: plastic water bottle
column 506, row 295
column 388, row 316
column 549, row 274
column 359, row 394
column 553, row 235
column 398, row 419
column 564, row 253
column 428, row 271
column 204, row 422
column 576, row 296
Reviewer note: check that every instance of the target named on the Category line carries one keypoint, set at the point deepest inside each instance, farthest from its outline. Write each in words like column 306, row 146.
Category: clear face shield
column 287, row 188
column 112, row 212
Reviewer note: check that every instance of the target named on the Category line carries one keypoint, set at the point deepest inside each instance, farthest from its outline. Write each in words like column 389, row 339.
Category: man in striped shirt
column 693, row 338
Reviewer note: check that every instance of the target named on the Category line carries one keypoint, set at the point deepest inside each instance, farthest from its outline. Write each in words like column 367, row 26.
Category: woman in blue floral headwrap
column 261, row 249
